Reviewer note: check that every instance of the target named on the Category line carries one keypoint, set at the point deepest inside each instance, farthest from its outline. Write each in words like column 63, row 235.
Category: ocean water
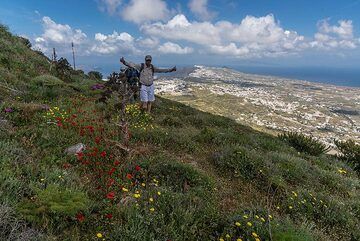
column 335, row 76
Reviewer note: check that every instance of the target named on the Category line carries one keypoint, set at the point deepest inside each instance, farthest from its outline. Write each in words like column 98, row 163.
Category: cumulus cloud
column 114, row 43
column 200, row 9
column 139, row 11
column 110, row 6
column 172, row 48
column 253, row 35
column 58, row 35
column 335, row 36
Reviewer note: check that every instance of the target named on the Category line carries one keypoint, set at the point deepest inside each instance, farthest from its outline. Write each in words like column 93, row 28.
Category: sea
column 349, row 77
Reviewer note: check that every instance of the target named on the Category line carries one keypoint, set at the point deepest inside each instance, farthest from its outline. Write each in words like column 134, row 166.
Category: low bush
column 302, row 143
column 12, row 228
column 350, row 153
column 53, row 202
column 238, row 161
column 180, row 176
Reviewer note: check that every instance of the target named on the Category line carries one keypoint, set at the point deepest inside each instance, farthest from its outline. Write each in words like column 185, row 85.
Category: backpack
column 132, row 76
column 143, row 67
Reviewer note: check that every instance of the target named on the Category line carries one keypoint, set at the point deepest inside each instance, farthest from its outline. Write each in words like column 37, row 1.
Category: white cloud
column 231, row 50
column 252, row 36
column 148, row 43
column 334, row 36
column 200, row 9
column 58, row 35
column 139, row 11
column 114, row 43
column 172, row 48
column 110, row 6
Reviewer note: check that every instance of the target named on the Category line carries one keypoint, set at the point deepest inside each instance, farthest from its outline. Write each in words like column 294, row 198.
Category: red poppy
column 137, row 168
column 66, row 165
column 129, row 176
column 59, row 124
column 86, row 162
column 109, row 216
column 97, row 139
column 58, row 118
column 112, row 171
column 80, row 217
column 103, row 154
column 82, row 132
column 110, row 182
column 110, row 195
column 111, row 156
column 80, row 155
column 116, row 163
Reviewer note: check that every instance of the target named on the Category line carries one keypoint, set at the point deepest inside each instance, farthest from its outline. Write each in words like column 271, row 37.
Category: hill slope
column 184, row 175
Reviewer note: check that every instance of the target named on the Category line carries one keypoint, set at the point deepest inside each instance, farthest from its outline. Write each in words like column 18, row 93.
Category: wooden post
column 73, row 52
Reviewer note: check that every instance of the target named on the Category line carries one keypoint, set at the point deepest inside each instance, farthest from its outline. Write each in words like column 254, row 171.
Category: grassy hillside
column 184, row 175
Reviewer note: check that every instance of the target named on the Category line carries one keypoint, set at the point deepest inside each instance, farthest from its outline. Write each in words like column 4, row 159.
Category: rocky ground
column 270, row 103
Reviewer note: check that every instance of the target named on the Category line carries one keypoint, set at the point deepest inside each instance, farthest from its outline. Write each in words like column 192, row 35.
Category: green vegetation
column 184, row 175
column 304, row 143
column 350, row 153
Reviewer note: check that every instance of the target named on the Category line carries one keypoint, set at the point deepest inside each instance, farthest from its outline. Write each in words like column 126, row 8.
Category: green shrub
column 53, row 202
column 176, row 216
column 95, row 75
column 13, row 228
column 47, row 80
column 238, row 161
column 350, row 153
column 177, row 175
column 47, row 87
column 286, row 231
column 306, row 144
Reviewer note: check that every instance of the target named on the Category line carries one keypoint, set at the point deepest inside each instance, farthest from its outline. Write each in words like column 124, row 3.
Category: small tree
column 63, row 69
column 95, row 75
column 25, row 41
column 350, row 153
column 306, row 144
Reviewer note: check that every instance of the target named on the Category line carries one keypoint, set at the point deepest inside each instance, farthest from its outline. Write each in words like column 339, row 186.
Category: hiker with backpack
column 146, row 71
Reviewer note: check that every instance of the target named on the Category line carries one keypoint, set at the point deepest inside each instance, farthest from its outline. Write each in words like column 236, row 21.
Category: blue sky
column 221, row 32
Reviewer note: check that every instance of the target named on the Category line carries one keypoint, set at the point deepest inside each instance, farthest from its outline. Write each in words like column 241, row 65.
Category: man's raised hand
column 122, row 60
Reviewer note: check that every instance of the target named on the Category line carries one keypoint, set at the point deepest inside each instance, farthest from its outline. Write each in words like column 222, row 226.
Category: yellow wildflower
column 227, row 236
column 263, row 219
column 257, row 239
column 221, row 239
column 295, row 194
column 245, row 216
column 143, row 184
column 159, row 193
column 137, row 195
column 290, row 207
column 270, row 216
column 249, row 224
column 254, row 234
column 238, row 224
column 151, row 199
column 239, row 239
column 125, row 189
column 99, row 235
column 152, row 209
column 257, row 216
